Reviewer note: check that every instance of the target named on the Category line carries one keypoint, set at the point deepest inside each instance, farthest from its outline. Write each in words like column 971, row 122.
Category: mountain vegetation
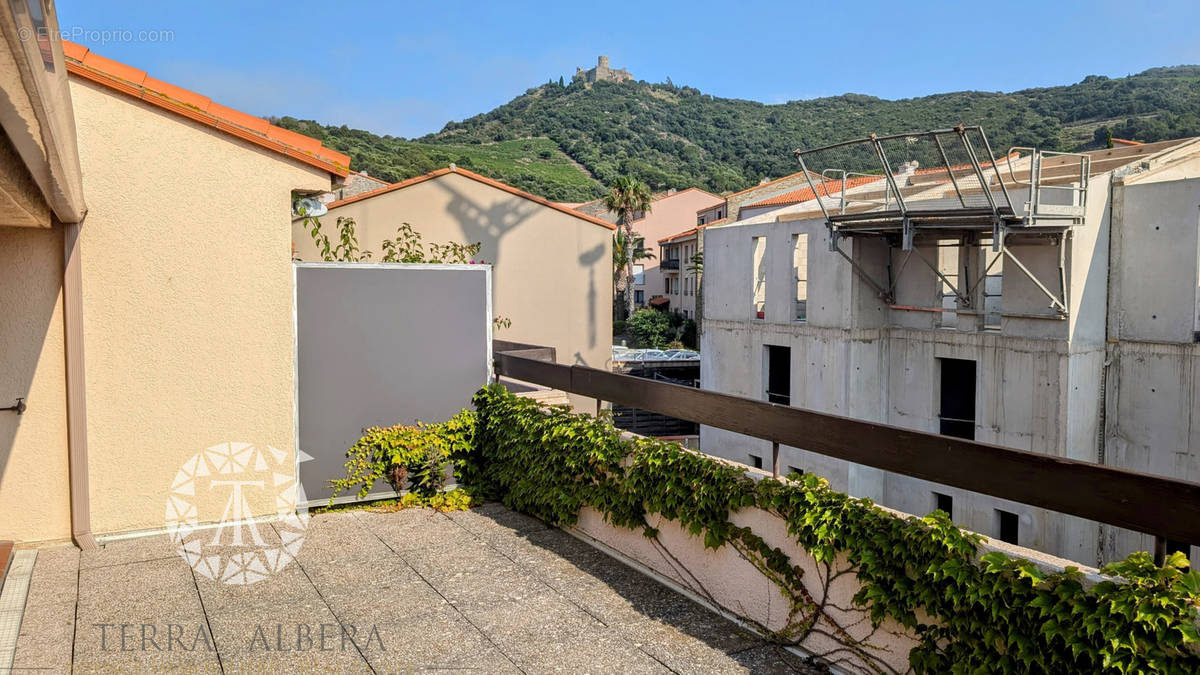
column 566, row 142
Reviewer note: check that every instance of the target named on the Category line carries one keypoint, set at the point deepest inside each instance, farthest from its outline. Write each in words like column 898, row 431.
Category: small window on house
column 794, row 470
column 760, row 277
column 700, row 220
column 756, row 461
column 639, row 276
column 800, row 274
column 1007, row 526
column 668, row 288
column 720, row 214
column 639, row 297
column 944, row 503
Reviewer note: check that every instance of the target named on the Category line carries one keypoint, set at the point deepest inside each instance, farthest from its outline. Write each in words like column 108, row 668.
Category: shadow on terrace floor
column 487, row 590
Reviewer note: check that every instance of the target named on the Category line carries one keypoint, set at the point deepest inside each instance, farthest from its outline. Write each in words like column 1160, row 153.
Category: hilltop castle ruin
column 602, row 71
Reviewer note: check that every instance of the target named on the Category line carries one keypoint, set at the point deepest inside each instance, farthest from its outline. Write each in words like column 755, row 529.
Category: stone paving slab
column 484, row 591
column 48, row 624
column 142, row 616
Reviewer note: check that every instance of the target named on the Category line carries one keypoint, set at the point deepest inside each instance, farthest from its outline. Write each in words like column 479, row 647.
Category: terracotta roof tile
column 178, row 93
column 476, row 177
column 1122, row 141
column 255, row 124
column 681, row 235
column 74, row 51
column 806, row 194
column 305, row 143
column 85, row 63
column 114, row 68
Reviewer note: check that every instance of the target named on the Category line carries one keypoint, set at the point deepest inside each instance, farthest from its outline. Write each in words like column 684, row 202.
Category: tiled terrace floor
column 487, row 591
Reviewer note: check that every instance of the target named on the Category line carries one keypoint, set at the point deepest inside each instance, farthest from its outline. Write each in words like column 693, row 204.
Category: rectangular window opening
column 760, row 277
column 756, row 461
column 957, row 410
column 993, row 290
column 794, row 470
column 944, row 503
column 1180, row 546
column 800, row 275
column 778, row 369
column 1007, row 526
column 947, row 264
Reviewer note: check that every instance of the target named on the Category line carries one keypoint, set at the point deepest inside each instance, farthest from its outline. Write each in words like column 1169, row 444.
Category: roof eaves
column 476, row 177
column 130, row 81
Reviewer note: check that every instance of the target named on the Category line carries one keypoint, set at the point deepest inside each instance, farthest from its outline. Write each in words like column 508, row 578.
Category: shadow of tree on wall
column 489, row 225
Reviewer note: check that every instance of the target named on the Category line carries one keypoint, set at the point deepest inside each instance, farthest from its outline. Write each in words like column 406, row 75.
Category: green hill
column 565, row 142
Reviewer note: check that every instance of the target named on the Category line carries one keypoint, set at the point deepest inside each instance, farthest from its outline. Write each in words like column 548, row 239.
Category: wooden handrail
column 1164, row 507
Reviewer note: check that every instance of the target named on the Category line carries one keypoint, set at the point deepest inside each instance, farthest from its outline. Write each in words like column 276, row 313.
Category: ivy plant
column 971, row 613
column 418, row 454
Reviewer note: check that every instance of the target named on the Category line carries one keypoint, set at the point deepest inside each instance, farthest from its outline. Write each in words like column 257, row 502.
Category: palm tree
column 621, row 279
column 627, row 197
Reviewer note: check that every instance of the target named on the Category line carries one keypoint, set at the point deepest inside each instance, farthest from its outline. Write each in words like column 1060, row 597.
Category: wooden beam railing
column 1165, row 507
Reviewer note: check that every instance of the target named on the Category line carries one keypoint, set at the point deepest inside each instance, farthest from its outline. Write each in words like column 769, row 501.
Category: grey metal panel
column 382, row 344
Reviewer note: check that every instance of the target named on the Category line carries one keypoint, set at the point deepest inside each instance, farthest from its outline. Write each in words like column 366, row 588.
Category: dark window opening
column 639, row 297
column 756, row 461
column 1182, row 547
column 1008, row 526
column 957, row 414
column 793, row 470
column 779, row 374
column 944, row 503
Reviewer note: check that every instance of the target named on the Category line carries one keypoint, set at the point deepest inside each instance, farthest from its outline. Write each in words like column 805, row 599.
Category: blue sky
column 406, row 68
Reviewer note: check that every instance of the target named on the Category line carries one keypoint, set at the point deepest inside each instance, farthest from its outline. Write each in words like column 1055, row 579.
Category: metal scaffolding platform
column 947, row 184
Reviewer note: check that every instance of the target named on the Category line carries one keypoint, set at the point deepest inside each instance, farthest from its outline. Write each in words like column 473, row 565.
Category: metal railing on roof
column 1157, row 505
column 628, row 355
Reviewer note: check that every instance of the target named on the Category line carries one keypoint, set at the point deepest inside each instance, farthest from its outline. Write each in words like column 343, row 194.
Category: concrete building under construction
column 1048, row 302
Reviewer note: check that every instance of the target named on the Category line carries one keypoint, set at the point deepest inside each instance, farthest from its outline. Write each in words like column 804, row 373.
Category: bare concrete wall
column 854, row 356
column 1155, row 262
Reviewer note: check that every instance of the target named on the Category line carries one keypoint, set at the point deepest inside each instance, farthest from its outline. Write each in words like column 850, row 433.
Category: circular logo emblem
column 232, row 513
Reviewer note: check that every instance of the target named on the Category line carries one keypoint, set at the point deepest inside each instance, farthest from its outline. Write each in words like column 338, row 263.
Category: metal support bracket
column 1055, row 301
column 883, row 293
column 965, row 300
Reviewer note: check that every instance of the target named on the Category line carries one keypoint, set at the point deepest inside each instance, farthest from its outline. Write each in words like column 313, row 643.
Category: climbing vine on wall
column 970, row 613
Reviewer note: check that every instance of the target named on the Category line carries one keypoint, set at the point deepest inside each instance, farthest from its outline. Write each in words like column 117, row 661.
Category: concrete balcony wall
column 725, row 580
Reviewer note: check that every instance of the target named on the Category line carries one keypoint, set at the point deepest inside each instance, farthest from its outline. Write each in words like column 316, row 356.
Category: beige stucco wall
column 552, row 271
column 34, row 503
column 187, row 300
